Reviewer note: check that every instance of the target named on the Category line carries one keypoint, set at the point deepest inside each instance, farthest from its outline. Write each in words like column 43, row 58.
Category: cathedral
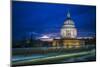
column 68, row 37
column 68, row 30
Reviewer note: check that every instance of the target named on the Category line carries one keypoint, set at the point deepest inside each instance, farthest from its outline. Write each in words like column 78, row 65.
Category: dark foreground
column 55, row 57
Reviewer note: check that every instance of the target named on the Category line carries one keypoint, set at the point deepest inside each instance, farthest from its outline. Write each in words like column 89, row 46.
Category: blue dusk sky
column 47, row 19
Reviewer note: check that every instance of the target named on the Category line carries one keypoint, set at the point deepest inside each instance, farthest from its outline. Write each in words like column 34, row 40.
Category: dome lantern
column 68, row 15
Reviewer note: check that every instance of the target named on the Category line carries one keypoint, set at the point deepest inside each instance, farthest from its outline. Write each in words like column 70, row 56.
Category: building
column 46, row 38
column 68, row 30
column 68, row 35
column 67, row 39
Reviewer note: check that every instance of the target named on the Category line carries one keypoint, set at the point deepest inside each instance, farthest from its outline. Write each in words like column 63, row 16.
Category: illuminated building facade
column 68, row 30
column 68, row 35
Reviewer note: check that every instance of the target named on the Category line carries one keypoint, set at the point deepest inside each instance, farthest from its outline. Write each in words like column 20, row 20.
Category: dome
column 68, row 30
column 69, row 22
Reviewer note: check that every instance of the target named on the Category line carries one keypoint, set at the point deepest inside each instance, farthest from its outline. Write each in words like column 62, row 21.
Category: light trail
column 64, row 56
